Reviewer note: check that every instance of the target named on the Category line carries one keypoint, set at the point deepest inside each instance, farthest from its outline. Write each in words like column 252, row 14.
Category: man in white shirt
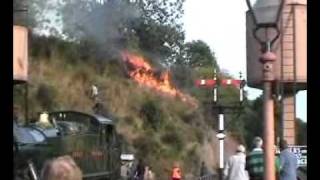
column 235, row 167
column 94, row 92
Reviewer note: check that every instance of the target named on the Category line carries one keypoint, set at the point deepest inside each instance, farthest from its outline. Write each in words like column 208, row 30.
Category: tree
column 199, row 54
column 250, row 122
column 40, row 15
column 181, row 80
column 164, row 42
column 159, row 29
column 198, row 61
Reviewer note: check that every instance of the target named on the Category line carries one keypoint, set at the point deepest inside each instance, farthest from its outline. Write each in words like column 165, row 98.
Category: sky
column 221, row 24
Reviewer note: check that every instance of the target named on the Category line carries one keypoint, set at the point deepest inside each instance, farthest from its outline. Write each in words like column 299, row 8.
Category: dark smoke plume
column 105, row 24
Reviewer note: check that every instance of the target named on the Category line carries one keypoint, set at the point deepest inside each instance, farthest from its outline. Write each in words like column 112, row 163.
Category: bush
column 190, row 117
column 199, row 135
column 40, row 47
column 193, row 159
column 179, row 76
column 46, row 96
column 18, row 94
column 173, row 138
column 152, row 114
column 146, row 146
column 82, row 74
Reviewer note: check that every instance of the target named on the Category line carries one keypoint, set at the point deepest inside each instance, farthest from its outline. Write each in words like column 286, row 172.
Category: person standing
column 203, row 170
column 148, row 174
column 235, row 167
column 124, row 170
column 139, row 172
column 94, row 92
column 176, row 172
column 288, row 162
column 254, row 160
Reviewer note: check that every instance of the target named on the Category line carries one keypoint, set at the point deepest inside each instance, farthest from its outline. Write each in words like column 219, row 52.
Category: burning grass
column 141, row 71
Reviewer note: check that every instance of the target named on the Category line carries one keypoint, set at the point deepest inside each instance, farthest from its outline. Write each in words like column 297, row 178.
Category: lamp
column 265, row 15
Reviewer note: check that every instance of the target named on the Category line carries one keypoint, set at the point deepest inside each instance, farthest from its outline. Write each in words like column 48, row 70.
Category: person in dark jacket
column 139, row 172
column 203, row 170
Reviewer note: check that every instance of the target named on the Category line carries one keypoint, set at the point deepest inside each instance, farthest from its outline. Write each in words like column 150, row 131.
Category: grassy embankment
column 157, row 128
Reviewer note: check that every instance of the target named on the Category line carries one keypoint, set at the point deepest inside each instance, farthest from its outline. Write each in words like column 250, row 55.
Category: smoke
column 104, row 23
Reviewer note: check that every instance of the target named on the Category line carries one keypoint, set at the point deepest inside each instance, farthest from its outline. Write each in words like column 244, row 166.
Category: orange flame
column 142, row 72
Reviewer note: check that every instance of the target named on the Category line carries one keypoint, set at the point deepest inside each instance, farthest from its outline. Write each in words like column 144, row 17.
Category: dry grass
column 124, row 99
column 71, row 93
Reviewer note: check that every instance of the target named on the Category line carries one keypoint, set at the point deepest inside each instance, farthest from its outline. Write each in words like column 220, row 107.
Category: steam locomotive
column 90, row 139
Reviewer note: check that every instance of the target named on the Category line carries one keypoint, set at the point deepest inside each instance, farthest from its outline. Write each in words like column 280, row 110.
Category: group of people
column 140, row 172
column 251, row 166
column 238, row 167
column 65, row 168
column 144, row 172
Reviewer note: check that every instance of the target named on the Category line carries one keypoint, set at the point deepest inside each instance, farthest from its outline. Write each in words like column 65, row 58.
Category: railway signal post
column 216, row 83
